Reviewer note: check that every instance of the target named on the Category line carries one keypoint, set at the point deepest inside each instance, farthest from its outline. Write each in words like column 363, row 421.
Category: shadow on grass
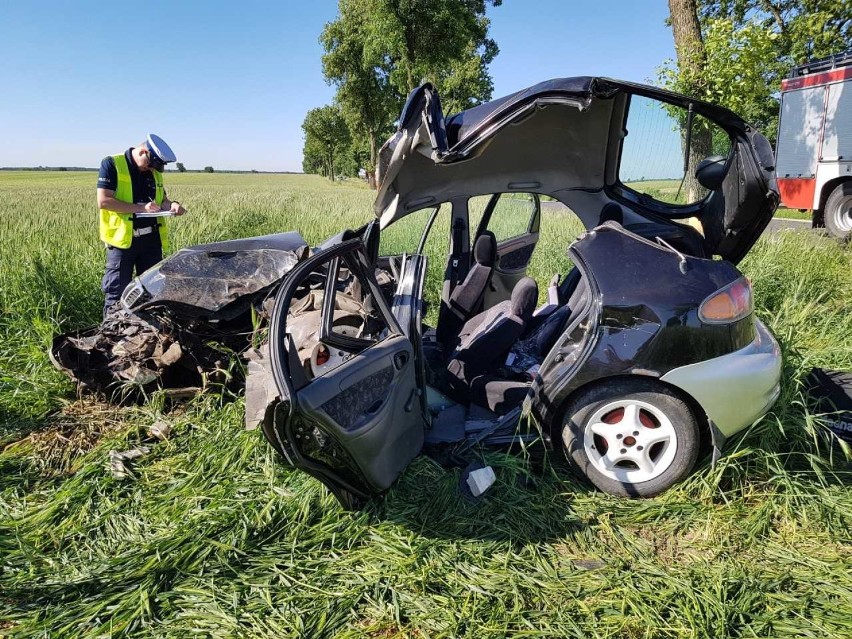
column 529, row 503
column 15, row 426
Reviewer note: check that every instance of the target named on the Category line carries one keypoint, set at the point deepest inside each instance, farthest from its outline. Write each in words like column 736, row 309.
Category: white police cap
column 158, row 147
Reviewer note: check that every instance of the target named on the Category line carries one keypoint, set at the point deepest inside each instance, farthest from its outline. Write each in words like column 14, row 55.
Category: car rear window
column 653, row 148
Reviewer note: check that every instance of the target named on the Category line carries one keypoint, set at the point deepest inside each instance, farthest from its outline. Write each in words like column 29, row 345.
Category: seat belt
column 455, row 256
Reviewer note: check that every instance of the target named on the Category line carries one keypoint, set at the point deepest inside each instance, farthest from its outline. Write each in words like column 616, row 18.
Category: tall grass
column 214, row 537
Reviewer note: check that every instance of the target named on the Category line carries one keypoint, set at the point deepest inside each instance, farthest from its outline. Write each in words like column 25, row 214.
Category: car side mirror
column 711, row 171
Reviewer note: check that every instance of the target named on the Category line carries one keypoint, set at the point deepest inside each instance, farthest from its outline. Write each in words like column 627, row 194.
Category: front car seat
column 466, row 298
column 487, row 338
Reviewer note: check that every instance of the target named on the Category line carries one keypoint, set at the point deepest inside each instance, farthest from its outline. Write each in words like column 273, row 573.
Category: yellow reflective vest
column 116, row 229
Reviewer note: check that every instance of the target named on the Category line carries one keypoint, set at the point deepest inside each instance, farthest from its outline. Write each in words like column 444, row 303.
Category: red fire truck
column 813, row 156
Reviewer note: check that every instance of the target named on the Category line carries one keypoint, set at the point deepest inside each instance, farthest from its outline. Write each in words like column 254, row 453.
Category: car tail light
column 728, row 304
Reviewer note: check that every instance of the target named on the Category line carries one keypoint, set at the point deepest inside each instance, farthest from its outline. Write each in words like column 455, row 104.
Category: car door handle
column 400, row 360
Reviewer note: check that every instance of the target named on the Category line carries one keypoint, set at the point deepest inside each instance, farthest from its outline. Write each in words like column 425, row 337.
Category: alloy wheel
column 630, row 441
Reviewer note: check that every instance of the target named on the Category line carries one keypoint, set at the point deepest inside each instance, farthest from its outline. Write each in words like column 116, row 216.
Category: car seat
column 486, row 338
column 466, row 298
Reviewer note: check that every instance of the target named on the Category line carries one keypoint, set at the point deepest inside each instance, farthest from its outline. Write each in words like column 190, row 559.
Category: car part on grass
column 120, row 461
column 160, row 430
column 477, row 480
column 832, row 391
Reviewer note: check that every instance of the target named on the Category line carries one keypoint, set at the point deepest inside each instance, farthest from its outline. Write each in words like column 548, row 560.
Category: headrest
column 611, row 212
column 485, row 249
column 524, row 298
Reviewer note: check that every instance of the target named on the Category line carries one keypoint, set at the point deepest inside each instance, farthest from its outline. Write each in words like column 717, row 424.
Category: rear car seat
column 486, row 339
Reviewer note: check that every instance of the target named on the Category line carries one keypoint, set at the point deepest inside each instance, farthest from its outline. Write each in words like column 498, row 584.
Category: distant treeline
column 83, row 168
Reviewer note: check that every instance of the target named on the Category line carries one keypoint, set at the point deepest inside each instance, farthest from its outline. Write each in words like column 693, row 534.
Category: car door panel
column 358, row 425
column 370, row 405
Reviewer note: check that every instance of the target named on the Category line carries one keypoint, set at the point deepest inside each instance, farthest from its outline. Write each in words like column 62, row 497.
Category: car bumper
column 737, row 389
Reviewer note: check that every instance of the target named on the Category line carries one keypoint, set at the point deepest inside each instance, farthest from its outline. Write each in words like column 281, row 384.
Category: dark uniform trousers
column 143, row 253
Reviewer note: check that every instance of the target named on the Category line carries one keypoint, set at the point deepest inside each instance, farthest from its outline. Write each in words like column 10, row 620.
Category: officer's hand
column 177, row 209
column 152, row 207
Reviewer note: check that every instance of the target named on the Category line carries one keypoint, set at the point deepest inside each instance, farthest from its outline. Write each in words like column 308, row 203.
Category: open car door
column 350, row 412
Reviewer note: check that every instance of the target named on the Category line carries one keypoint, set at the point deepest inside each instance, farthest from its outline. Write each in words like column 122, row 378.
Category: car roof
column 554, row 136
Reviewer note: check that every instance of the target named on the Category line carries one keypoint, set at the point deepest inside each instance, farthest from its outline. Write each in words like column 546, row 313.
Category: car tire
column 838, row 211
column 630, row 437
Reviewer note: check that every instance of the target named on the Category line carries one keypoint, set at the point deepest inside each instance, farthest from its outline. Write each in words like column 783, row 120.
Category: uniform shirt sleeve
column 107, row 176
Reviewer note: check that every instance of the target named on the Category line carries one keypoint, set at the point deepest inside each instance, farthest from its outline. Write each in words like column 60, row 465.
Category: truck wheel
column 838, row 211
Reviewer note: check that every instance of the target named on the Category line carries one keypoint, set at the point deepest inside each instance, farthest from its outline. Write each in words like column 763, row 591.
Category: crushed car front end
column 178, row 325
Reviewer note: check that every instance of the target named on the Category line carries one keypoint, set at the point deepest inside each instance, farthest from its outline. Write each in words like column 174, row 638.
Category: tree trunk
column 687, row 39
column 331, row 164
column 371, row 170
column 691, row 62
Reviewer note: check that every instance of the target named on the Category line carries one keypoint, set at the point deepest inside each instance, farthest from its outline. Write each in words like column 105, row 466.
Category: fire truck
column 813, row 156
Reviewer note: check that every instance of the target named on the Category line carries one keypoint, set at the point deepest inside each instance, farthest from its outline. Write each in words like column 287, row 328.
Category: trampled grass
column 214, row 537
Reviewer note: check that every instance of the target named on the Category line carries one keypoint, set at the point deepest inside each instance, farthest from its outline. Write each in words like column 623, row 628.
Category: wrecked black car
column 643, row 353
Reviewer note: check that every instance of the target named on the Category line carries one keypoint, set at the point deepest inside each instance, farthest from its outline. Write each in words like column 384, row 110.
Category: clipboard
column 147, row 214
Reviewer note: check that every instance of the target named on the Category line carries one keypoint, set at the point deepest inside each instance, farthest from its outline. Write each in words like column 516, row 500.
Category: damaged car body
column 176, row 325
column 645, row 352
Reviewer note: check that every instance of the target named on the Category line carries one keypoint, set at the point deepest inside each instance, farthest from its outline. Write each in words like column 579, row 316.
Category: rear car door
column 515, row 219
column 350, row 412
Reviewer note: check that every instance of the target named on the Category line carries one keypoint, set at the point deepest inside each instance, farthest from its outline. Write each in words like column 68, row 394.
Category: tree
column 806, row 29
column 377, row 51
column 367, row 100
column 749, row 45
column 208, row 169
column 180, row 167
column 691, row 79
column 326, row 135
column 424, row 39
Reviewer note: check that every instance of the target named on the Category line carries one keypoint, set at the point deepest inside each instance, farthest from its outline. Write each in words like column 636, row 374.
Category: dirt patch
column 673, row 549
column 69, row 434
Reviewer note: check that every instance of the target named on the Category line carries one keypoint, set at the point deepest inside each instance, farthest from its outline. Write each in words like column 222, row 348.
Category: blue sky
column 228, row 84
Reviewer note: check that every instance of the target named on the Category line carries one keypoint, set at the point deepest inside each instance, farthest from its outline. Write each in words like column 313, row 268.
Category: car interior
column 482, row 356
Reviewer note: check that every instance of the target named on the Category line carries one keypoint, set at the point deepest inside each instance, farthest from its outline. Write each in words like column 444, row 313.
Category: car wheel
column 633, row 437
column 838, row 211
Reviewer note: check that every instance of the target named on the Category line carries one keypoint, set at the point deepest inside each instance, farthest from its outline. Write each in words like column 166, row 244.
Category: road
column 780, row 224
column 776, row 224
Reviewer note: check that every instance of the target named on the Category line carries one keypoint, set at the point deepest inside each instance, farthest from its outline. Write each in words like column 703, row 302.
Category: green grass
column 213, row 537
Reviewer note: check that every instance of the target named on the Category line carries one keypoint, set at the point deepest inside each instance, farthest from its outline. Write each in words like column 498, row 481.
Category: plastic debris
column 119, row 461
column 480, row 480
column 160, row 430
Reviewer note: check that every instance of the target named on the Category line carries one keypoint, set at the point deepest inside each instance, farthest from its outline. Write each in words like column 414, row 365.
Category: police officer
column 131, row 183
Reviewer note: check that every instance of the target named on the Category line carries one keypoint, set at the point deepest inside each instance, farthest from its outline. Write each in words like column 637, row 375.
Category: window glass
column 652, row 151
column 403, row 236
column 511, row 217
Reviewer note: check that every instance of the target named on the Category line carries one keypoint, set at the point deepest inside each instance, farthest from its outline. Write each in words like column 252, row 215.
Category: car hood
column 556, row 136
column 205, row 279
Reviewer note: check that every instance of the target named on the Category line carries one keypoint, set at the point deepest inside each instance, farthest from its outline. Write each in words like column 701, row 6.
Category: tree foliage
column 326, row 137
column 366, row 98
column 747, row 46
column 377, row 51
column 180, row 167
